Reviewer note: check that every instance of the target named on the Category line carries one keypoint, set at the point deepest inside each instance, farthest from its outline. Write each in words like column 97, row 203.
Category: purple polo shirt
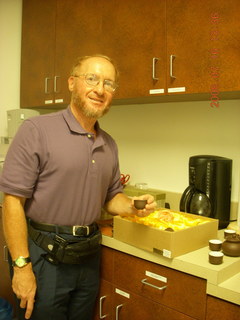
column 65, row 174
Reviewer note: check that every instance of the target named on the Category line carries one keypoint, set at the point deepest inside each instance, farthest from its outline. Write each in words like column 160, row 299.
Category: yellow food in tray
column 167, row 219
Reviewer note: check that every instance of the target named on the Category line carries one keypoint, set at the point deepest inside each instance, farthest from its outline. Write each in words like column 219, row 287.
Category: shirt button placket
column 90, row 137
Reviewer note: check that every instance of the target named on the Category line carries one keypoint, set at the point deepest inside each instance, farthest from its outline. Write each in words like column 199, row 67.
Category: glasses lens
column 109, row 85
column 92, row 79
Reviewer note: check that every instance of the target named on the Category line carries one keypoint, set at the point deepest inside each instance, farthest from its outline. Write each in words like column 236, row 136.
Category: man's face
column 92, row 101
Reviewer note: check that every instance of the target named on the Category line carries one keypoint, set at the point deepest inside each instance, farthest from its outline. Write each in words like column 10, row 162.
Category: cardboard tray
column 169, row 244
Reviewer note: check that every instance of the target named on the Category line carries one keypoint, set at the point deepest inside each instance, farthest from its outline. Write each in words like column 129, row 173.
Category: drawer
column 138, row 307
column 169, row 287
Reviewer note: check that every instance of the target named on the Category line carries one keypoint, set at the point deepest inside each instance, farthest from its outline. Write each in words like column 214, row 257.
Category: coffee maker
column 209, row 190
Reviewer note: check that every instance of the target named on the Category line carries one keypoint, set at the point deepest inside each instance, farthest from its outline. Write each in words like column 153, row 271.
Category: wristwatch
column 21, row 262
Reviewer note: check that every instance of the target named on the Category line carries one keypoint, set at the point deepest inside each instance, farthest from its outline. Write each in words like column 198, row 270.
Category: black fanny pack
column 60, row 250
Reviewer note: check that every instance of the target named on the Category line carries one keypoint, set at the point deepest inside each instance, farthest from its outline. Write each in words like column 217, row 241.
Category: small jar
column 231, row 246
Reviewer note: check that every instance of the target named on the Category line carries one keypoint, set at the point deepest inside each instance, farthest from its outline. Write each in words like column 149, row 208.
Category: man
column 61, row 169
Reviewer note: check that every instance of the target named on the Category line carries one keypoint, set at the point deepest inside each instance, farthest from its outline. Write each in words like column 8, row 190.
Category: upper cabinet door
column 133, row 34
column 203, row 45
column 38, row 51
column 161, row 47
column 79, row 33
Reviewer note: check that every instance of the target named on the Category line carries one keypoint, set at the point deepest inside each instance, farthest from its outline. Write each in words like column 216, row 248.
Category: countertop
column 223, row 281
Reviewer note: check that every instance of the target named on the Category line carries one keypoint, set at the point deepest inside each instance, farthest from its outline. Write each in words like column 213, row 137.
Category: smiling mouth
column 95, row 100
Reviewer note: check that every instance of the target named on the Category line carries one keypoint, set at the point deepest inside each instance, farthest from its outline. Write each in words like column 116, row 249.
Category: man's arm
column 16, row 235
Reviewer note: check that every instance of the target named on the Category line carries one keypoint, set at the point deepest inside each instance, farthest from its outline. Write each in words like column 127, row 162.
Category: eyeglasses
column 93, row 80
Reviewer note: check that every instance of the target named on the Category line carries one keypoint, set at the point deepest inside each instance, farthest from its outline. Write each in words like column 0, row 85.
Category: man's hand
column 150, row 206
column 24, row 286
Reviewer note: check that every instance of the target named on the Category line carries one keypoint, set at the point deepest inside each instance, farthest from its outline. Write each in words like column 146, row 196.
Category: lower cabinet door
column 103, row 308
column 128, row 306
column 218, row 309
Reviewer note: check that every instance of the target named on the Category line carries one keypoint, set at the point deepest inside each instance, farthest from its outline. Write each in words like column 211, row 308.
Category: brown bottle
column 231, row 246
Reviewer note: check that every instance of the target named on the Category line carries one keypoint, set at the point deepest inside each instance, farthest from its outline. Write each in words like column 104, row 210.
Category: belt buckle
column 76, row 227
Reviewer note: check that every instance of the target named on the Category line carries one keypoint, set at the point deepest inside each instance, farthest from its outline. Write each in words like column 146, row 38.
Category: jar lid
column 233, row 238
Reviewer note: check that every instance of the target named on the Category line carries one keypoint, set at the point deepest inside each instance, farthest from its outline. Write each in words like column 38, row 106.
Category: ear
column 70, row 83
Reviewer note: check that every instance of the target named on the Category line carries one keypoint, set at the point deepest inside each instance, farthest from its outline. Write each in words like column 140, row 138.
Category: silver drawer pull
column 101, row 316
column 46, row 86
column 171, row 66
column 154, row 68
column 117, row 310
column 144, row 281
column 56, row 90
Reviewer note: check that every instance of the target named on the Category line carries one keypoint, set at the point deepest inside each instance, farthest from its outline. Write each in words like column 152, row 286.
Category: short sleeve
column 22, row 164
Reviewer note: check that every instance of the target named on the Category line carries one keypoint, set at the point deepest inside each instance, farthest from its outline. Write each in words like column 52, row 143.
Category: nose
column 99, row 88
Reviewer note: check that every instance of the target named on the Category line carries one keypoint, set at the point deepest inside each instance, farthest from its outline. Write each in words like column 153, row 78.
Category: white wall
column 10, row 44
column 155, row 141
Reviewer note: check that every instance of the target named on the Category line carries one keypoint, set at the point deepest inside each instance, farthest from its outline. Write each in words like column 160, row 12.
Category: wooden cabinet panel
column 137, row 307
column 117, row 303
column 104, row 305
column 107, row 264
column 206, row 42
column 184, row 292
column 78, row 33
column 38, row 52
column 133, row 34
column 221, row 310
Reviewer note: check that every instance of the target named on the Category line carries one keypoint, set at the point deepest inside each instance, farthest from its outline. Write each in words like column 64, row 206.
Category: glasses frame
column 105, row 81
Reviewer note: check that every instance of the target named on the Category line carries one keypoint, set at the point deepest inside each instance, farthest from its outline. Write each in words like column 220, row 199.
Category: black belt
column 73, row 230
column 59, row 250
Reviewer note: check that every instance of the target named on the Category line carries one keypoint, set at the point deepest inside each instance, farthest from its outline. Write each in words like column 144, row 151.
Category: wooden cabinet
column 169, row 287
column 166, row 47
column 54, row 34
column 205, row 43
column 221, row 310
column 38, row 53
column 123, row 295
column 78, row 33
column 134, row 33
column 5, row 281
column 139, row 307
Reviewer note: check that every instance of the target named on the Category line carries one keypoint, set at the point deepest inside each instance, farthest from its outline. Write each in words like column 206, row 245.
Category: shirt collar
column 75, row 126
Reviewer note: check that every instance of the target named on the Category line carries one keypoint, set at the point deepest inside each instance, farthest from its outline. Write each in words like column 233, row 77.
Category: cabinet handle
column 144, row 281
column 46, row 85
column 154, row 68
column 100, row 307
column 5, row 253
column 171, row 66
column 117, row 310
column 55, row 84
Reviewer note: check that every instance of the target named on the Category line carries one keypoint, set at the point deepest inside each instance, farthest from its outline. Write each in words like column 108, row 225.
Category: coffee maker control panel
column 208, row 178
column 192, row 175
